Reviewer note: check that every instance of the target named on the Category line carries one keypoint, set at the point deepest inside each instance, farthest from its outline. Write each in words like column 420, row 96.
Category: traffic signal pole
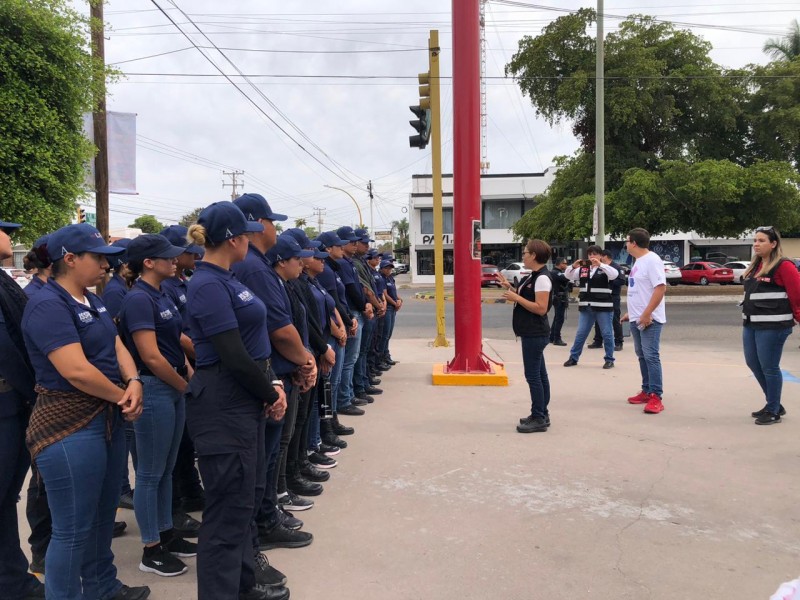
column 436, row 162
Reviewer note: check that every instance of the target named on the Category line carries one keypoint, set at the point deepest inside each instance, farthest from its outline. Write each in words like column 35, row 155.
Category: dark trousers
column 130, row 450
column 227, row 427
column 267, row 513
column 185, row 478
column 361, row 375
column 615, row 323
column 297, row 443
column 375, row 356
column 15, row 580
column 536, row 374
column 559, row 316
column 289, row 420
column 38, row 513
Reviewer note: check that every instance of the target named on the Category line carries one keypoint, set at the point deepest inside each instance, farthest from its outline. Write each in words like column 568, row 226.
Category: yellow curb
column 498, row 378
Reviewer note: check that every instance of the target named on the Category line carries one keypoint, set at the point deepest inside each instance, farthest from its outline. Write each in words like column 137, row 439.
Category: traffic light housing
column 81, row 215
column 422, row 124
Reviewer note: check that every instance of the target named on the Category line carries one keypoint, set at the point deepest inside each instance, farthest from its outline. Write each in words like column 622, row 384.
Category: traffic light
column 422, row 111
column 81, row 215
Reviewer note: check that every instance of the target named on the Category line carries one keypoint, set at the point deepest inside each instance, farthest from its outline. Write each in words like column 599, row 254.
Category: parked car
column 18, row 275
column 514, row 272
column 705, row 273
column 399, row 268
column 672, row 272
column 738, row 268
column 489, row 275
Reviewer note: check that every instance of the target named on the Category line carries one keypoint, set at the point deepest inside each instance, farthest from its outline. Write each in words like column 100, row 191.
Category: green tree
column 300, row 223
column 311, row 232
column 148, row 224
column 190, row 218
column 785, row 48
column 48, row 82
column 400, row 229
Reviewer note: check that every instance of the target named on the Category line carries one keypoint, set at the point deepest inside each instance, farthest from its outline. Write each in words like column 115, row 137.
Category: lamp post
column 360, row 218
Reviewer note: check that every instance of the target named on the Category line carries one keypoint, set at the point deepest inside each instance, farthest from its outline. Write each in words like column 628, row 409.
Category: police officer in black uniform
column 561, row 289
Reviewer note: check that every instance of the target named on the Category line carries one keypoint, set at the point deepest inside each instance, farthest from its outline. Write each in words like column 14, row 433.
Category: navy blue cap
column 320, row 253
column 347, row 234
column 40, row 250
column 255, row 207
column 329, row 239
column 5, row 225
column 78, row 238
column 177, row 236
column 152, row 245
column 224, row 220
column 386, row 263
column 301, row 238
column 363, row 235
column 372, row 253
column 386, row 256
column 285, row 248
column 120, row 259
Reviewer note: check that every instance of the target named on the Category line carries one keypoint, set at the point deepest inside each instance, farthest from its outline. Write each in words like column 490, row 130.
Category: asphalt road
column 701, row 323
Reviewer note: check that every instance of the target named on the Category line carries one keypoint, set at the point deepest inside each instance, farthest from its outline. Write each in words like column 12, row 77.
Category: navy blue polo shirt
column 147, row 309
column 218, row 302
column 349, row 276
column 380, row 283
column 34, row 286
column 331, row 281
column 280, row 315
column 391, row 287
column 325, row 304
column 114, row 292
column 54, row 319
column 175, row 288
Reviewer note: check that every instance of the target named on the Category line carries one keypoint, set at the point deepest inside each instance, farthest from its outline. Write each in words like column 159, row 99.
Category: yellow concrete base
column 498, row 378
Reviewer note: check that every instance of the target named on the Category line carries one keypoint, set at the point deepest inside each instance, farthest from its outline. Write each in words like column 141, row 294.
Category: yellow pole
column 360, row 218
column 436, row 160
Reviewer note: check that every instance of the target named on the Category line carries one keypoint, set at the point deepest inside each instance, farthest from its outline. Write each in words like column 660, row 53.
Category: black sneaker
column 340, row 429
column 302, row 486
column 321, row 461
column 312, row 473
column 617, row 347
column 266, row 574
column 160, row 561
column 140, row 592
column 178, row 546
column 559, row 343
column 185, row 525
column 375, row 391
column 768, row 418
column 261, row 592
column 524, row 420
column 37, row 564
column 532, row 425
column 119, row 528
column 126, row 500
column 374, row 381
column 351, row 411
column 358, row 401
column 595, row 345
column 280, row 537
column 758, row 413
column 608, row 365
column 571, row 362
column 331, row 439
column 293, row 502
column 329, row 450
column 289, row 520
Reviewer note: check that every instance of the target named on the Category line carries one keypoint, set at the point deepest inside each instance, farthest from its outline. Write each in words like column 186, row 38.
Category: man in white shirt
column 647, row 285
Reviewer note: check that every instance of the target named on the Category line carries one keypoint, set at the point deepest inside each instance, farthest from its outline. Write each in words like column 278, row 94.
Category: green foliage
column 46, row 84
column 300, row 223
column 190, row 218
column 688, row 145
column 787, row 47
column 148, row 224
column 400, row 229
column 311, row 232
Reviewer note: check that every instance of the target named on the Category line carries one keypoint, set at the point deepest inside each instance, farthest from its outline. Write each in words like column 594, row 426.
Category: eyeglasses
column 766, row 229
column 526, row 253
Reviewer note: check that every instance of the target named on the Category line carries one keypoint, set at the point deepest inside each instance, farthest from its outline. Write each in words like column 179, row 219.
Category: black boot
column 312, row 473
column 329, row 435
column 340, row 429
column 302, row 486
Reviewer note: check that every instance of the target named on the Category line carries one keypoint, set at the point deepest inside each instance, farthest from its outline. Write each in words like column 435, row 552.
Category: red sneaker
column 640, row 398
column 654, row 405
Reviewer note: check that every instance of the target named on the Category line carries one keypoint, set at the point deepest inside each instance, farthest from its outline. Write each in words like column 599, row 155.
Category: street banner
column 121, row 133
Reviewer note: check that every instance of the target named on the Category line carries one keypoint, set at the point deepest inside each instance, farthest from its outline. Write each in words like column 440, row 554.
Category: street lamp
column 360, row 218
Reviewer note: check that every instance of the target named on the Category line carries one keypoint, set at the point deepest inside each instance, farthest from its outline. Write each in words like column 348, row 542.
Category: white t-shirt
column 646, row 274
column 543, row 284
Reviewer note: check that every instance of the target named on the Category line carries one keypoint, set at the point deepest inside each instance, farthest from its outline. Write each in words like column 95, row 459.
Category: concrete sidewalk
column 438, row 498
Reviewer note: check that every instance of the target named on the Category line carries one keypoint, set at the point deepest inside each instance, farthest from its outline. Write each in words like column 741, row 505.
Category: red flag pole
column 467, row 189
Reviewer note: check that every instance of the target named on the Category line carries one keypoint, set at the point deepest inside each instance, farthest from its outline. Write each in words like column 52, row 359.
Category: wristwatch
column 134, row 378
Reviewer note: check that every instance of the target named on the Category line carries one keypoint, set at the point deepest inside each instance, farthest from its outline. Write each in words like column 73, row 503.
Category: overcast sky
column 356, row 129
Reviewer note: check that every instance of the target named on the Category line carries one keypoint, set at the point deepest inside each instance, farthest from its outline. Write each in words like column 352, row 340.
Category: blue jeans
column 536, row 373
column 388, row 327
column 586, row 320
column 336, row 371
column 158, row 437
column 646, row 344
column 361, row 376
column 130, row 443
column 346, row 393
column 82, row 476
column 762, row 353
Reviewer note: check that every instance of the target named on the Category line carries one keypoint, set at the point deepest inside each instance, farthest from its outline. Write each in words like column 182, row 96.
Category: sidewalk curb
column 670, row 299
column 423, row 296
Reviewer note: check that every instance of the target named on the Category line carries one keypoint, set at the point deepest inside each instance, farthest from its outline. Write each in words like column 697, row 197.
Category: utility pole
column 371, row 216
column 600, row 131
column 99, row 121
column 234, row 183
column 320, row 212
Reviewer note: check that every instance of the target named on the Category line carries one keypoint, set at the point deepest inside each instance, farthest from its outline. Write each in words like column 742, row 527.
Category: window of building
column 425, row 262
column 426, row 220
column 502, row 214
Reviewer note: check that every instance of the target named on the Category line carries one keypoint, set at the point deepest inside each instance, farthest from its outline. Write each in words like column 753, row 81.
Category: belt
column 182, row 371
column 5, row 386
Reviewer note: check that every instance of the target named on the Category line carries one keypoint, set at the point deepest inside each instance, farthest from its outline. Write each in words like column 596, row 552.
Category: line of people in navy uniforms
column 218, row 360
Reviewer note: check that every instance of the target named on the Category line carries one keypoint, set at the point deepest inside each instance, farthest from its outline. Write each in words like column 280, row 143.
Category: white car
column 17, row 275
column 672, row 272
column 738, row 267
column 514, row 272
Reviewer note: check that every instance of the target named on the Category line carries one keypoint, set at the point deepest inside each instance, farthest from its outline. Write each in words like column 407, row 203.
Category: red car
column 705, row 273
column 489, row 275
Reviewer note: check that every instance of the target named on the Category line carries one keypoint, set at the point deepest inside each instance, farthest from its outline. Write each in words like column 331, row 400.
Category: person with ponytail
column 232, row 391
column 771, row 306
column 38, row 259
column 120, row 281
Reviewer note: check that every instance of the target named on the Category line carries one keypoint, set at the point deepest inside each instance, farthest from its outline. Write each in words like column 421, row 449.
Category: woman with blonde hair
column 771, row 306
